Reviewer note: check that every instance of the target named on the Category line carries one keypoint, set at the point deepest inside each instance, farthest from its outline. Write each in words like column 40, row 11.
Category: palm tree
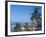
column 37, row 16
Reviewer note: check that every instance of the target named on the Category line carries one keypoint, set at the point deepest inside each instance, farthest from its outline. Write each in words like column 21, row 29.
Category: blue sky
column 21, row 13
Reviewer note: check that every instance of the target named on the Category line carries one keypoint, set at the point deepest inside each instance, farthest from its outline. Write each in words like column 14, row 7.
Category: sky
column 22, row 13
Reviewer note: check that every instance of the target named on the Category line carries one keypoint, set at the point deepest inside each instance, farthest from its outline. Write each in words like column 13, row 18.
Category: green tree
column 17, row 28
column 37, row 16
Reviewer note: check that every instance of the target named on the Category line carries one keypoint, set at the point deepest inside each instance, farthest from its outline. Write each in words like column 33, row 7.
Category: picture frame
column 8, row 16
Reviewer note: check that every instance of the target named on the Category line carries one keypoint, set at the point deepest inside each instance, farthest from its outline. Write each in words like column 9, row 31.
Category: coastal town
column 34, row 25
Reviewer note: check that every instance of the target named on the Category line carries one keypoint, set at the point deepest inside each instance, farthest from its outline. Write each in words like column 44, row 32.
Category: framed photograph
column 24, row 18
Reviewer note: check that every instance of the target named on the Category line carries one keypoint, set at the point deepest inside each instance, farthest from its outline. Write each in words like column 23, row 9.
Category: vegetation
column 35, row 15
column 17, row 28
